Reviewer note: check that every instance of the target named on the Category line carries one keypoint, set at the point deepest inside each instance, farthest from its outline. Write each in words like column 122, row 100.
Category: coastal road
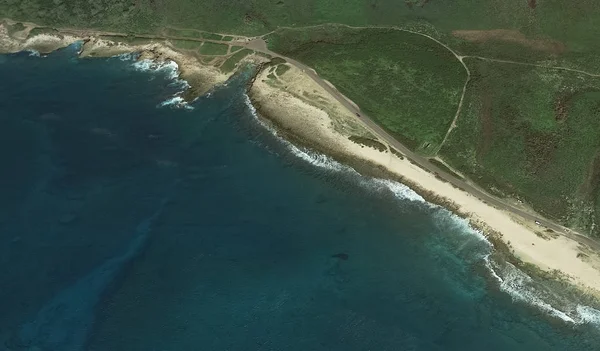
column 423, row 162
column 258, row 44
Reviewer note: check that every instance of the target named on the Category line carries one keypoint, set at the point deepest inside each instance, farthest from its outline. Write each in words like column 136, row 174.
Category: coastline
column 304, row 112
column 201, row 77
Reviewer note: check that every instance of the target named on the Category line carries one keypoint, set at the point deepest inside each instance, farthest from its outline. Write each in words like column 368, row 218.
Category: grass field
column 188, row 33
column 232, row 61
column 213, row 49
column 408, row 83
column 186, row 44
column 281, row 69
column 534, row 134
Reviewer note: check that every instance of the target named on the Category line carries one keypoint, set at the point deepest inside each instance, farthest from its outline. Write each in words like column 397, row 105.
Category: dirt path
column 258, row 44
column 594, row 75
column 458, row 57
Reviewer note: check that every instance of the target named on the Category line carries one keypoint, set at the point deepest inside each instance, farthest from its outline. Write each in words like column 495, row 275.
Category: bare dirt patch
column 532, row 4
column 511, row 36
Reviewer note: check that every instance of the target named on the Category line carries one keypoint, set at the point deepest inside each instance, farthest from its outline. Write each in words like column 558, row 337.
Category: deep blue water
column 129, row 226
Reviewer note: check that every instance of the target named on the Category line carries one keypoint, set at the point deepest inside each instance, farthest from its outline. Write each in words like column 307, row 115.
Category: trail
column 594, row 75
column 258, row 44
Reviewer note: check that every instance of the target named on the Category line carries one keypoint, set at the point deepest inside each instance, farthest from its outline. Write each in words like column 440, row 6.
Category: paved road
column 423, row 162
column 258, row 44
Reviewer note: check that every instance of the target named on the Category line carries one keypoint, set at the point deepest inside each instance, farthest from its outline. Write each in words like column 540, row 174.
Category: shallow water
column 130, row 224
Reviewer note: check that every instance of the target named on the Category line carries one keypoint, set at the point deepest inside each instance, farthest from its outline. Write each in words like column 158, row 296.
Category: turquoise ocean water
column 129, row 221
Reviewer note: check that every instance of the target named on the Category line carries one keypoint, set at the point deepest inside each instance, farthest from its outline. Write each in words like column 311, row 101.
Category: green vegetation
column 565, row 21
column 211, row 36
column 39, row 30
column 17, row 27
column 281, row 69
column 187, row 44
column 187, row 33
column 532, row 133
column 213, row 49
column 368, row 142
column 408, row 83
column 227, row 38
column 236, row 48
column 232, row 61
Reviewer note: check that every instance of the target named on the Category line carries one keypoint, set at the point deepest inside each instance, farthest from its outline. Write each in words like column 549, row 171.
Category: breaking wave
column 171, row 71
column 33, row 53
column 521, row 287
column 323, row 161
column 314, row 158
column 170, row 67
column 176, row 102
column 512, row 281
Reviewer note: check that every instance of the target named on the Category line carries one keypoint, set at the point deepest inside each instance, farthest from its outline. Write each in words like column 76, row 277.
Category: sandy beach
column 305, row 111
column 297, row 105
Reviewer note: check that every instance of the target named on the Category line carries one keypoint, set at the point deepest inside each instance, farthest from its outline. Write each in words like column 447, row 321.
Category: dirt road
column 423, row 162
column 258, row 44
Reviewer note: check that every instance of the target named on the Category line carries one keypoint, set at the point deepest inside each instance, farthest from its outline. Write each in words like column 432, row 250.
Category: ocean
column 130, row 220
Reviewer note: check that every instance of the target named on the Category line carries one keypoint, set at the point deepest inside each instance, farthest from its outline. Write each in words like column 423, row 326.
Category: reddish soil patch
column 511, row 36
column 532, row 4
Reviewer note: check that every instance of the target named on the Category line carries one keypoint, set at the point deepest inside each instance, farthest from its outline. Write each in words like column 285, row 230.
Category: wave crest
column 521, row 287
column 176, row 102
column 512, row 281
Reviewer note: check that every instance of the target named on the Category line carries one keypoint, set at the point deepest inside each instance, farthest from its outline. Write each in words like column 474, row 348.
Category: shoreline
column 306, row 114
column 288, row 103
column 201, row 77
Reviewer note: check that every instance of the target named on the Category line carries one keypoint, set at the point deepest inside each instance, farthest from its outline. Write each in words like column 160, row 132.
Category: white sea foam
column 314, row 158
column 491, row 269
column 33, row 52
column 521, row 287
column 399, row 190
column 147, row 65
column 588, row 315
column 446, row 221
column 176, row 102
column 517, row 284
column 172, row 70
column 128, row 56
column 511, row 280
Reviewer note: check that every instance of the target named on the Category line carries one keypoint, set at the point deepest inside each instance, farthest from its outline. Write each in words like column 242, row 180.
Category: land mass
column 412, row 147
